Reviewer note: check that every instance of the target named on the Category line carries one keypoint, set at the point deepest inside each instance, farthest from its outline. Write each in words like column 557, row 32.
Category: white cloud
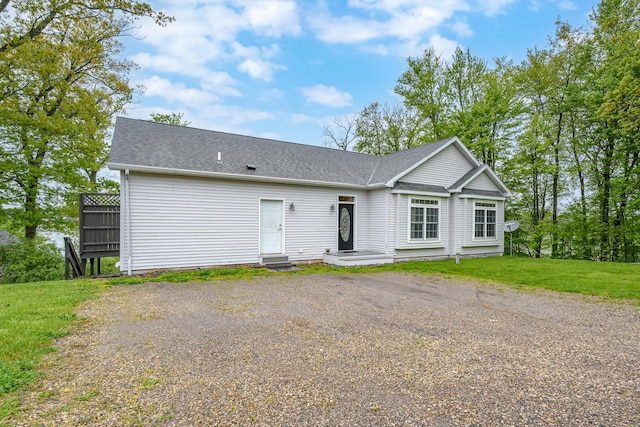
column 397, row 27
column 493, row 7
column 443, row 46
column 215, row 82
column 272, row 18
column 567, row 5
column 158, row 86
column 259, row 69
column 384, row 25
column 219, row 82
column 395, row 22
column 256, row 62
column 327, row 95
column 204, row 37
column 461, row 28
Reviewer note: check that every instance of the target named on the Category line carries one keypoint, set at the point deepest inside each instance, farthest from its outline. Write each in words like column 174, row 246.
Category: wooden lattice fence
column 99, row 225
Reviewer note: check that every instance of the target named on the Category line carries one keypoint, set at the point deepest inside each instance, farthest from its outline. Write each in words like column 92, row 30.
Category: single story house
column 199, row 198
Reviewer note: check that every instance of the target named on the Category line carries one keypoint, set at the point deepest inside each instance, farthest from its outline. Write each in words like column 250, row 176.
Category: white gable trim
column 484, row 168
column 465, row 151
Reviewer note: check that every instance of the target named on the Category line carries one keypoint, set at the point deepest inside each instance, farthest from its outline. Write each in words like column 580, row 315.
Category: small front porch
column 356, row 258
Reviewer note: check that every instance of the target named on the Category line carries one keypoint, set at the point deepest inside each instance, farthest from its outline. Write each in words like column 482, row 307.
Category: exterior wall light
column 333, row 208
column 292, row 207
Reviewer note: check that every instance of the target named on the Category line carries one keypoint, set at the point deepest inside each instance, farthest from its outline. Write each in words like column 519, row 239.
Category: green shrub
column 30, row 261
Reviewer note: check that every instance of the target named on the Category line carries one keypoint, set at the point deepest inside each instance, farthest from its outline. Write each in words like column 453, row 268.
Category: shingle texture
column 147, row 144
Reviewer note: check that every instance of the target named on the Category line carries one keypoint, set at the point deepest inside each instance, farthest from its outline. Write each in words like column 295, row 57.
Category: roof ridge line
column 374, row 169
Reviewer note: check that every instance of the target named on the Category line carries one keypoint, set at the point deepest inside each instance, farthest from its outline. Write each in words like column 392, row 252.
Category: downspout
column 128, row 219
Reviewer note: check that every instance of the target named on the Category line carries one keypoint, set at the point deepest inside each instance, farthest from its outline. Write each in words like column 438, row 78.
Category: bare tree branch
column 342, row 134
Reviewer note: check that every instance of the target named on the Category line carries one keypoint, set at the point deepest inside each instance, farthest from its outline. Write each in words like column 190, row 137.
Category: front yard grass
column 603, row 279
column 31, row 316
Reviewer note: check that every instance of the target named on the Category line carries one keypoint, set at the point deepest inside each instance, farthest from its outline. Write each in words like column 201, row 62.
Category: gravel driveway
column 354, row 350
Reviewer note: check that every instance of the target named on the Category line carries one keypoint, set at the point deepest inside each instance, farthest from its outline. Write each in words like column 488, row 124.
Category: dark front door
column 345, row 227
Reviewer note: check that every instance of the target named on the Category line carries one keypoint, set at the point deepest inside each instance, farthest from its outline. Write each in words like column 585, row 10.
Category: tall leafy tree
column 382, row 129
column 61, row 81
column 617, row 168
column 424, row 88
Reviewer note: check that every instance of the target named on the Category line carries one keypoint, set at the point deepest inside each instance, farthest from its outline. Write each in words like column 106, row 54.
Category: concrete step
column 278, row 265
column 277, row 261
column 274, row 258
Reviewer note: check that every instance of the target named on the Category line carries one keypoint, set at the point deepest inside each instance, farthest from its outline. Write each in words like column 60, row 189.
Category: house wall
column 379, row 224
column 465, row 243
column 482, row 182
column 405, row 248
column 444, row 169
column 180, row 222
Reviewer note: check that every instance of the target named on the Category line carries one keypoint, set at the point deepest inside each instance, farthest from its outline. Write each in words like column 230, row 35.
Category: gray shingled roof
column 420, row 187
column 139, row 143
column 466, row 176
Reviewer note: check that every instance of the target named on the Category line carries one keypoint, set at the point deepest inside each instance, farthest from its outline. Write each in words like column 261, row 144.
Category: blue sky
column 283, row 69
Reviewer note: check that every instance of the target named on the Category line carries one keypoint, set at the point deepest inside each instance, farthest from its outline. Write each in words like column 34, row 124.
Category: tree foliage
column 172, row 118
column 30, row 261
column 61, row 81
column 383, row 129
column 562, row 128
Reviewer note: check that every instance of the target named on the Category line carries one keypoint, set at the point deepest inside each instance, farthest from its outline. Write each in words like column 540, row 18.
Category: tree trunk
column 605, row 202
column 555, row 190
column 585, row 251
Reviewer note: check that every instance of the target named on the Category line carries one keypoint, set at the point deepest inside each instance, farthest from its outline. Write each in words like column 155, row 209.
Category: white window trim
column 410, row 205
column 473, row 221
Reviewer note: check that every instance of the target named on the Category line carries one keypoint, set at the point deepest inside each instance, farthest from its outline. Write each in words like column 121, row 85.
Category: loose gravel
column 353, row 350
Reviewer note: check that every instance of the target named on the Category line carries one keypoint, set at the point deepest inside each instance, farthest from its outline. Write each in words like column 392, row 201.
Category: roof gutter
column 236, row 177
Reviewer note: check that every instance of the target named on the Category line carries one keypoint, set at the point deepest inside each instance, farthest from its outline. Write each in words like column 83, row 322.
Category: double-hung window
column 484, row 220
column 424, row 219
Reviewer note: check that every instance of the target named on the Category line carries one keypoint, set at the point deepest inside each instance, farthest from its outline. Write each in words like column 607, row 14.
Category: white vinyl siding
column 468, row 243
column 482, row 182
column 405, row 239
column 181, row 222
column 444, row 169
column 379, row 227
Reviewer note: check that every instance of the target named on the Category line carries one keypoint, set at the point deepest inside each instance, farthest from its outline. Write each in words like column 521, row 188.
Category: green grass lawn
column 33, row 314
column 608, row 280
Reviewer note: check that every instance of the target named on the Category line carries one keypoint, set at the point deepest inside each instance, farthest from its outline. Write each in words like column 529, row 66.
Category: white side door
column 271, row 226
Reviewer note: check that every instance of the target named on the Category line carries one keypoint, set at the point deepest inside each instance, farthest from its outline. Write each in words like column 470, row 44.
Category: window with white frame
column 484, row 220
column 424, row 219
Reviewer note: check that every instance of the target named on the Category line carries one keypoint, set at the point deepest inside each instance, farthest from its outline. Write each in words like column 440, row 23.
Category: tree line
column 562, row 129
column 62, row 79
